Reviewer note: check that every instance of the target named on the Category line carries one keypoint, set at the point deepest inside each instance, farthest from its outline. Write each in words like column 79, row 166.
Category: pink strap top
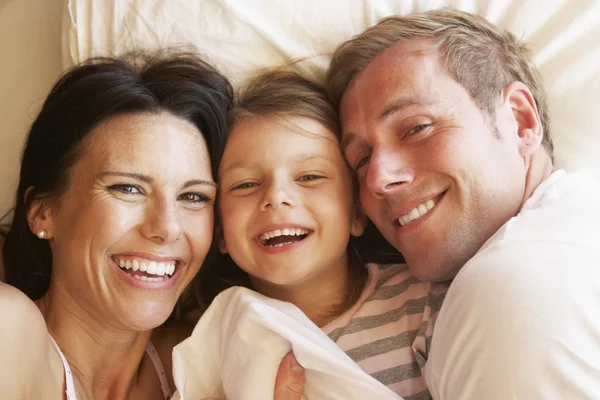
column 150, row 350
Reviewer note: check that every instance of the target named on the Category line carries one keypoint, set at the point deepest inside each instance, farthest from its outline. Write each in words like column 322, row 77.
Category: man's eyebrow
column 403, row 103
column 149, row 180
column 391, row 109
column 347, row 139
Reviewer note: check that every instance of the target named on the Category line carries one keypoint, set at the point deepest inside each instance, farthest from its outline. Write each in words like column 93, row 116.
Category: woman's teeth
column 149, row 267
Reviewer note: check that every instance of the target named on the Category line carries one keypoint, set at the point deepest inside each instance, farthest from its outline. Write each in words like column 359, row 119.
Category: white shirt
column 521, row 320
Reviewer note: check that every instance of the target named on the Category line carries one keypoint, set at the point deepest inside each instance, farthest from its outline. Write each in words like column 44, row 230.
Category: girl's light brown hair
column 281, row 93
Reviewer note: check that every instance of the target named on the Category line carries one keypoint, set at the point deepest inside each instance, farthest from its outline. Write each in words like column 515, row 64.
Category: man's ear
column 524, row 110
column 39, row 215
column 359, row 222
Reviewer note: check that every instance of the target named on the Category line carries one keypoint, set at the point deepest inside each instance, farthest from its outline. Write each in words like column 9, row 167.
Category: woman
column 113, row 219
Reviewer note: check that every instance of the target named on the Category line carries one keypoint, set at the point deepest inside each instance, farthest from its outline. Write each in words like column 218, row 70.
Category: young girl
column 288, row 209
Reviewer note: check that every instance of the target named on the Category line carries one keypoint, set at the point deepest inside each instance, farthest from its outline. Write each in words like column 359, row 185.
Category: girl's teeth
column 135, row 265
column 143, row 266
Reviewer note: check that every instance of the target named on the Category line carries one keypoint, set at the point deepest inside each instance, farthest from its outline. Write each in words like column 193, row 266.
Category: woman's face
column 140, row 198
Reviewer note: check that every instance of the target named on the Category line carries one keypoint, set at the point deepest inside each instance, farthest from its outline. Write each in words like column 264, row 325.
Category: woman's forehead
column 151, row 142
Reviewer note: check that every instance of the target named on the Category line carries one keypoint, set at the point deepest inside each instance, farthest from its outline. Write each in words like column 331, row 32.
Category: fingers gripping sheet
column 236, row 348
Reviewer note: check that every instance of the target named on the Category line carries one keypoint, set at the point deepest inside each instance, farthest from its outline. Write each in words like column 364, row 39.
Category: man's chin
column 430, row 271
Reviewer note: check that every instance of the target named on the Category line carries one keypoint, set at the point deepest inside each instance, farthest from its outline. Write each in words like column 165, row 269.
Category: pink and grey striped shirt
column 388, row 331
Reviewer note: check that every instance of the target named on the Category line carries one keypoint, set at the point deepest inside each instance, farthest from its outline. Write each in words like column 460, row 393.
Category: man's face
column 437, row 175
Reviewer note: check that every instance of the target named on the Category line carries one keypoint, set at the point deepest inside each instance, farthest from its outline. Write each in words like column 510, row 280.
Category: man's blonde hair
column 480, row 56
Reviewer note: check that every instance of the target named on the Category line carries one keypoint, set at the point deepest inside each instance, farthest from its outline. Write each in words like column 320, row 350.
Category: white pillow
column 240, row 36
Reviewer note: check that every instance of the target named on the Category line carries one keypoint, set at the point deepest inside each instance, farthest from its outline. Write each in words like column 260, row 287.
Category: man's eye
column 362, row 162
column 416, row 129
column 310, row 177
column 245, row 185
column 126, row 189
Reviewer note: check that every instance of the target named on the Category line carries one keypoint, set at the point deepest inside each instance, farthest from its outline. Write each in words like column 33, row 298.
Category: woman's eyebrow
column 141, row 177
column 149, row 180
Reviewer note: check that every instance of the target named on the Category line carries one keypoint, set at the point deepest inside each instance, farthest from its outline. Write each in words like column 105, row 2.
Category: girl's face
column 139, row 198
column 286, row 200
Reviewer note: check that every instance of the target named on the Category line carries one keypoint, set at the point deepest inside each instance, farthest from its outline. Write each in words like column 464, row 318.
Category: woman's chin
column 147, row 317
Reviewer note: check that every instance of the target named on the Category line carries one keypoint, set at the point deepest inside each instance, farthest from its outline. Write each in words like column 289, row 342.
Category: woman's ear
column 39, row 216
column 359, row 222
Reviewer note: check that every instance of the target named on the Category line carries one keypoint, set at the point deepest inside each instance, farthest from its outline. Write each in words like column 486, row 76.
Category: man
column 445, row 107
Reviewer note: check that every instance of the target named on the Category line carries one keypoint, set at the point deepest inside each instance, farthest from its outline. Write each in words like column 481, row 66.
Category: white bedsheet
column 240, row 36
column 237, row 347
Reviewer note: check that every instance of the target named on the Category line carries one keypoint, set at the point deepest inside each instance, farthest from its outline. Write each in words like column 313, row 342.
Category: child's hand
column 289, row 383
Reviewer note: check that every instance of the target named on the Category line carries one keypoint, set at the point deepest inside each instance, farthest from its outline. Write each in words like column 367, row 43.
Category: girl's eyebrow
column 298, row 158
column 149, row 180
column 310, row 157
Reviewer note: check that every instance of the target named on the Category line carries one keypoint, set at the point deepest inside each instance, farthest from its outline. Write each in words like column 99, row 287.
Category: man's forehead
column 403, row 62
column 399, row 72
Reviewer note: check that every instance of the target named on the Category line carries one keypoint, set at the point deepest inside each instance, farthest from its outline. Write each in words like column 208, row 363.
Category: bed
column 240, row 36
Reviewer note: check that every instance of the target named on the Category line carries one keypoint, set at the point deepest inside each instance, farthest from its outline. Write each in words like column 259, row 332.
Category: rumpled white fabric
column 237, row 346
column 240, row 36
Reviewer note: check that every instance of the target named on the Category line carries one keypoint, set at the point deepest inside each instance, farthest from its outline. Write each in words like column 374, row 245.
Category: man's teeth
column 416, row 212
column 284, row 232
column 149, row 267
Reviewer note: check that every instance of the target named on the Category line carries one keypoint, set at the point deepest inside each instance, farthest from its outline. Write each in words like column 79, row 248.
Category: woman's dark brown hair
column 179, row 83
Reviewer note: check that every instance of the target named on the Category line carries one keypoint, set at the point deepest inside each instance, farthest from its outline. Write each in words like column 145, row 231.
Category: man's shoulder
column 565, row 213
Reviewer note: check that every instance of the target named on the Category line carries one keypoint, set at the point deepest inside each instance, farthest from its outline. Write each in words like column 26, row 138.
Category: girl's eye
column 416, row 129
column 245, row 185
column 310, row 177
column 193, row 197
column 126, row 189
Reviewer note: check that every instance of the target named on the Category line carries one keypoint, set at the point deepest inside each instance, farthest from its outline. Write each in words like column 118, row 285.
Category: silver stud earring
column 41, row 234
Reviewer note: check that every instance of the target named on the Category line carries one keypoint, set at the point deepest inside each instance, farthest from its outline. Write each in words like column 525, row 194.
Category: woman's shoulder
column 24, row 345
column 19, row 310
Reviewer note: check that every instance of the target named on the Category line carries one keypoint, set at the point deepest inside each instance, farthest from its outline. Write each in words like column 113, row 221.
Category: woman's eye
column 416, row 129
column 194, row 197
column 245, row 185
column 126, row 189
column 310, row 177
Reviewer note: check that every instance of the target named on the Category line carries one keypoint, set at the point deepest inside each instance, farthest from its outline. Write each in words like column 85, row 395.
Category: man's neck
column 105, row 361
column 321, row 297
column 539, row 168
